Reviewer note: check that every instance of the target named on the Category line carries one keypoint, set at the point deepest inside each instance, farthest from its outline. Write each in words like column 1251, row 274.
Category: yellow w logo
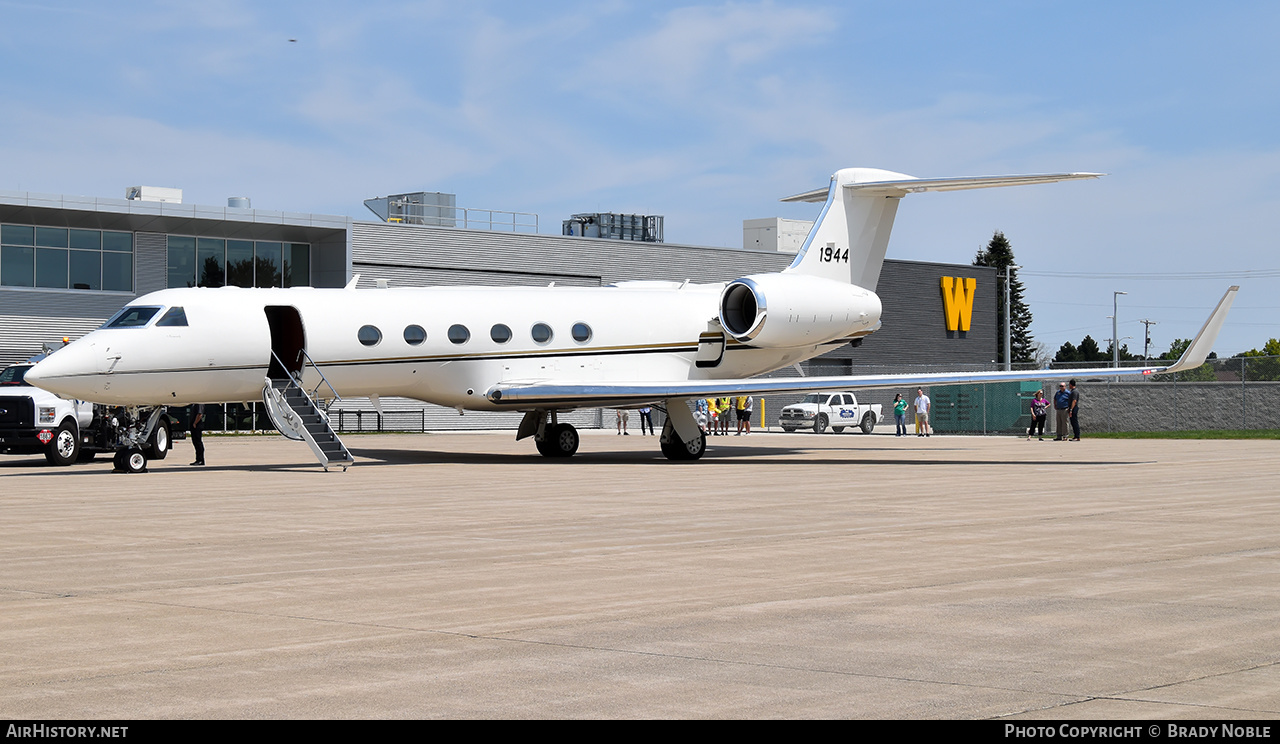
column 957, row 301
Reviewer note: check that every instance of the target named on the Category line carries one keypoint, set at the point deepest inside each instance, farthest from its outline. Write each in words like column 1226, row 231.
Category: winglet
column 1200, row 346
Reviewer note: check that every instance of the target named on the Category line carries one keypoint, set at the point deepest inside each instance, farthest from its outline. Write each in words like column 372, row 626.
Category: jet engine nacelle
column 788, row 310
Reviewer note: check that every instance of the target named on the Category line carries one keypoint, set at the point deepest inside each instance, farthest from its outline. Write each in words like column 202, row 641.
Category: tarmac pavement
column 793, row 576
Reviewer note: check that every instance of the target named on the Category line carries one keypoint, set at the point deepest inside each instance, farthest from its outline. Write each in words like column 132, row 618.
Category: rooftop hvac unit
column 641, row 227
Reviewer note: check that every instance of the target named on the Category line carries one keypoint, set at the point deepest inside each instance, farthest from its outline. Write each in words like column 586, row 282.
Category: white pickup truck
column 34, row 421
column 837, row 411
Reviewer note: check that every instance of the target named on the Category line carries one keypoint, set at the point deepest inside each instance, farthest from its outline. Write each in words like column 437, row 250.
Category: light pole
column 1008, row 321
column 1115, row 333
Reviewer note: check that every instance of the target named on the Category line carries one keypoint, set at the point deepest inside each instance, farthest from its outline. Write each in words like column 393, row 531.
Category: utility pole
column 1115, row 332
column 1146, row 345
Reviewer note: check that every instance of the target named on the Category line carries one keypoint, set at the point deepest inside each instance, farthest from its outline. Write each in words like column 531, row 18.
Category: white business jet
column 538, row 350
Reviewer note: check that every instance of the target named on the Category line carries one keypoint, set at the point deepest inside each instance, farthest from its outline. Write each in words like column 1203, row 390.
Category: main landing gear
column 554, row 439
column 676, row 449
column 558, row 440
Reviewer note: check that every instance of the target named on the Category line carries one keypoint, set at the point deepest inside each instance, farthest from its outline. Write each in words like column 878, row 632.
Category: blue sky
column 707, row 114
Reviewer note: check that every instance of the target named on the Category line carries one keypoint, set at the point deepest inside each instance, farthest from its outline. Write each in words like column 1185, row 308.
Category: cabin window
column 581, row 332
column 500, row 334
column 459, row 334
column 369, row 335
column 414, row 335
column 541, row 333
column 132, row 317
column 176, row 316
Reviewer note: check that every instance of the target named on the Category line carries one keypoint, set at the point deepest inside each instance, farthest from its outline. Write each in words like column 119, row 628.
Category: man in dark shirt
column 1073, row 407
column 197, row 430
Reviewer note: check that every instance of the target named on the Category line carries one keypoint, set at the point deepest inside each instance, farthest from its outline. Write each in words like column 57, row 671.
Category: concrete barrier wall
column 1168, row 406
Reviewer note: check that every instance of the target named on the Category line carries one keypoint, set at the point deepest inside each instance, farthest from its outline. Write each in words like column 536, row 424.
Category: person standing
column 197, row 432
column 623, row 415
column 1061, row 401
column 1039, row 412
column 739, row 412
column 1073, row 407
column 744, row 423
column 922, row 413
column 900, row 415
column 725, row 405
column 646, row 417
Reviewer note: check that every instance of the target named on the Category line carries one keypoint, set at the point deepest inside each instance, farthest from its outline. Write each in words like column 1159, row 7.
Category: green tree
column 999, row 254
column 1203, row 373
column 1088, row 351
column 1262, row 365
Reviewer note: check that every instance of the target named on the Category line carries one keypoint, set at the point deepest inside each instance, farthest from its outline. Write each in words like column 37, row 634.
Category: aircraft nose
column 68, row 372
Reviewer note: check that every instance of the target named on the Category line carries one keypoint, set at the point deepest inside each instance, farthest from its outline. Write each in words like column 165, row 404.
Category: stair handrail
column 297, row 381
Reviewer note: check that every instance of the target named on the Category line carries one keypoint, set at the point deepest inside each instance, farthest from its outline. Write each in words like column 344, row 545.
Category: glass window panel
column 51, row 268
column 17, row 266
column 175, row 316
column 369, row 335
column 268, row 270
column 541, row 333
column 297, row 265
column 132, row 316
column 414, row 335
column 86, row 269
column 51, row 237
column 90, row 240
column 211, row 258
column 182, row 261
column 117, row 272
column 500, row 333
column 121, row 242
column 17, row 235
column 581, row 332
column 240, row 263
column 459, row 334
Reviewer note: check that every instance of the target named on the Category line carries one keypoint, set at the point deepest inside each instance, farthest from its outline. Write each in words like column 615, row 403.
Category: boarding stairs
column 296, row 415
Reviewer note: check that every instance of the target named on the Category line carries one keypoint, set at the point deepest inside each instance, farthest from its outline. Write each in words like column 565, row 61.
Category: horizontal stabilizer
column 909, row 185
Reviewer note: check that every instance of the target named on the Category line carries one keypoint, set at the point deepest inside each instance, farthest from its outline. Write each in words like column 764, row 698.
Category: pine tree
column 998, row 254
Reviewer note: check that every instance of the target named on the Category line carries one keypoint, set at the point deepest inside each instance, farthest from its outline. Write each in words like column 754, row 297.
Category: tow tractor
column 34, row 421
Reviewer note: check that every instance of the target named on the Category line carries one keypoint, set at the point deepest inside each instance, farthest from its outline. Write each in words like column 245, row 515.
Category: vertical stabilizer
column 849, row 239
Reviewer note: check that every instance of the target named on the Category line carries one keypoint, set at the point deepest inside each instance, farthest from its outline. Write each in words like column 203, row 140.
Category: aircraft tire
column 562, row 440
column 565, row 440
column 135, row 461
column 868, row 423
column 820, row 423
column 64, row 448
column 160, row 443
column 678, row 450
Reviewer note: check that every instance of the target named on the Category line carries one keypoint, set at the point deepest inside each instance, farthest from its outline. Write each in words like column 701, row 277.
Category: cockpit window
column 175, row 317
column 134, row 316
column 12, row 376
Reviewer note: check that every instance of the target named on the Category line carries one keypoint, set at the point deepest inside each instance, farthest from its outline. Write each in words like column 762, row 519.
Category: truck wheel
column 64, row 448
column 160, row 443
column 820, row 423
column 868, row 423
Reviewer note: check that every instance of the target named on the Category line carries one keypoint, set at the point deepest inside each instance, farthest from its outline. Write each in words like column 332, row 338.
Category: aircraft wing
column 554, row 394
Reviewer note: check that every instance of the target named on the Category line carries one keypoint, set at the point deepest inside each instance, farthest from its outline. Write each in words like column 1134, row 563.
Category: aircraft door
column 288, row 340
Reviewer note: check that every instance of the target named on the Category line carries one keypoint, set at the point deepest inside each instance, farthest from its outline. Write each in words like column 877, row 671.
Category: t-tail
column 849, row 239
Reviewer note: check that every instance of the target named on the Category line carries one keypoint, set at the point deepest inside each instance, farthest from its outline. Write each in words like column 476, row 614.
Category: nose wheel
column 130, row 461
